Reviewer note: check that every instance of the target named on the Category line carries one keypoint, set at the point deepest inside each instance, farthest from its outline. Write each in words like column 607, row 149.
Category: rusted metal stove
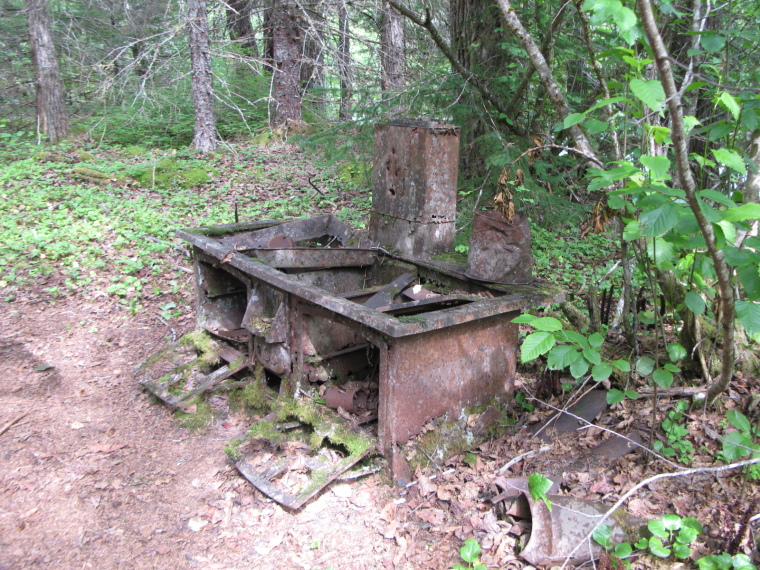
column 314, row 306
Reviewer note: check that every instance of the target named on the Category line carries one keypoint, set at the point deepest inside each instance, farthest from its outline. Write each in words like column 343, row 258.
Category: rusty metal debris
column 587, row 408
column 452, row 348
column 414, row 186
column 392, row 336
column 562, row 533
column 294, row 469
column 186, row 368
column 500, row 250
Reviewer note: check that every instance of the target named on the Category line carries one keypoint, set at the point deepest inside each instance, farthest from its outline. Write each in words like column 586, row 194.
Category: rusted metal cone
column 555, row 534
column 352, row 398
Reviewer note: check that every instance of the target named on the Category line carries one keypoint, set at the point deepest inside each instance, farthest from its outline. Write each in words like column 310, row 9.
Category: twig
column 11, row 423
column 422, row 503
column 431, row 478
column 613, row 432
column 314, row 186
column 522, row 456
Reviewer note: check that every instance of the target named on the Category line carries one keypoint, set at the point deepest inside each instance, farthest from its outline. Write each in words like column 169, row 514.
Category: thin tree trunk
column 392, row 49
column 344, row 63
column 286, row 78
column 556, row 96
column 52, row 117
column 240, row 27
column 686, row 179
column 203, row 91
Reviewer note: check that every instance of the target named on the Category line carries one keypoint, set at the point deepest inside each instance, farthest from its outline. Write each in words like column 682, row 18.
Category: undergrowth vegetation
column 97, row 220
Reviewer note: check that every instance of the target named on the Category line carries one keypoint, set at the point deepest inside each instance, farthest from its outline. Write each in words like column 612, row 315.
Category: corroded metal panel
column 443, row 371
column 414, row 185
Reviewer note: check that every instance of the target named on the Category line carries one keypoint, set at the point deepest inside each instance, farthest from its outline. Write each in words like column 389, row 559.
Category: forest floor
column 96, row 474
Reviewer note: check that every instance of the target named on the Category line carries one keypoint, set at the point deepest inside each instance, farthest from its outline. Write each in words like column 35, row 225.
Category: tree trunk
column 203, row 92
column 475, row 42
column 686, row 179
column 239, row 25
column 52, row 117
column 286, row 78
column 344, row 63
column 312, row 54
column 392, row 50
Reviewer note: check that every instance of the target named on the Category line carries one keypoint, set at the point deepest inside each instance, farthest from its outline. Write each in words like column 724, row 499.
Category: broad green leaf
column 470, row 550
column 631, row 395
column 712, row 42
column 735, row 446
column 632, row 231
column 687, row 535
column 538, row 485
column 601, row 372
column 579, row 368
column 623, row 550
column 690, row 122
column 526, row 318
column 719, row 130
column 695, row 302
column 711, row 563
column 739, row 421
column 642, row 543
column 681, row 551
column 691, row 522
column 622, row 365
column 592, row 355
column 535, row 345
column 742, row 562
column 676, row 352
column 671, row 521
column 573, row 119
column 549, row 324
column 602, row 535
column 730, row 104
column 718, row 197
column 658, row 167
column 615, row 396
column 662, row 378
column 596, row 340
column 749, row 276
column 731, row 159
column 671, row 368
column 748, row 211
column 644, row 365
column 748, row 314
column 594, row 127
column 562, row 356
column 736, row 257
column 576, row 338
column 649, row 92
column 660, row 220
column 661, row 251
column 659, row 134
column 656, row 548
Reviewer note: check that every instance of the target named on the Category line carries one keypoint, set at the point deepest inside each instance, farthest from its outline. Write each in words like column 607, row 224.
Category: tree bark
column 52, row 116
column 686, row 179
column 286, row 74
column 203, row 91
column 475, row 42
column 344, row 63
column 392, row 57
column 239, row 25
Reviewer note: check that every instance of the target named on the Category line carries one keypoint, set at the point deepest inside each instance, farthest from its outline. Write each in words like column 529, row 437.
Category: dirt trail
column 97, row 475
